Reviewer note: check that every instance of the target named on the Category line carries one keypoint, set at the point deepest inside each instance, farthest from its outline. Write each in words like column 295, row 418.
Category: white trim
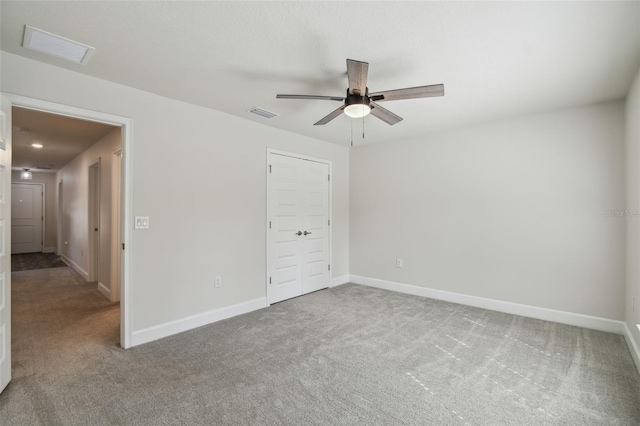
column 49, row 250
column 104, row 290
column 569, row 318
column 43, row 212
column 329, row 163
column 127, row 190
column 94, row 205
column 178, row 326
column 126, row 207
column 116, row 213
column 343, row 279
column 633, row 347
column 59, row 206
column 75, row 267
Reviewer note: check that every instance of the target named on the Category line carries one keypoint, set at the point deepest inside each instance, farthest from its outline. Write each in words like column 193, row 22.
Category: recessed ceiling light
column 37, row 145
column 60, row 47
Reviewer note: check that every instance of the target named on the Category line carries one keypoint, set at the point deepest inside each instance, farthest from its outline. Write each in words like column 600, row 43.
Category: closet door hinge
column 269, row 168
column 329, row 267
column 269, row 280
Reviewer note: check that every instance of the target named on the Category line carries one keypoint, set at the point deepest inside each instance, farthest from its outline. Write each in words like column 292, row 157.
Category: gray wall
column 75, row 206
column 513, row 211
column 200, row 175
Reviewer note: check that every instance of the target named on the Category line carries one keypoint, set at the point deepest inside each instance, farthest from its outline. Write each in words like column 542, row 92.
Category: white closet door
column 315, row 218
column 298, row 233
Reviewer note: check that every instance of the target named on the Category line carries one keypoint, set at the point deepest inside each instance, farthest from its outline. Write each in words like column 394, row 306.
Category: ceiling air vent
column 263, row 112
column 60, row 47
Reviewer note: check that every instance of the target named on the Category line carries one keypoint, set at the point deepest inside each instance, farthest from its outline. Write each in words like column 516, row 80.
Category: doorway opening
column 106, row 209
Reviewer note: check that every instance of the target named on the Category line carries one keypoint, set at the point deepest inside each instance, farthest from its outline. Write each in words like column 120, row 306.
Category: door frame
column 330, row 206
column 59, row 198
column 43, row 209
column 93, row 212
column 126, row 124
column 116, row 242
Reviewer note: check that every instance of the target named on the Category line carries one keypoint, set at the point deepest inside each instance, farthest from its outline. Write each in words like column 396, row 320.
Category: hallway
column 61, row 326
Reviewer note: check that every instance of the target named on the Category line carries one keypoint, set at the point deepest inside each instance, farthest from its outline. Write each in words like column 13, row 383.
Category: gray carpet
column 350, row 355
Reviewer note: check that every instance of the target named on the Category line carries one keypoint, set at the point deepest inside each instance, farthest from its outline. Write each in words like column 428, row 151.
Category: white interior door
column 5, row 241
column 298, row 227
column 94, row 221
column 26, row 212
column 315, row 234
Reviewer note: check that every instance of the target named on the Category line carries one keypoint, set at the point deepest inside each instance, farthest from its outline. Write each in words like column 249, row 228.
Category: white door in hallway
column 298, row 227
column 5, row 258
column 27, row 218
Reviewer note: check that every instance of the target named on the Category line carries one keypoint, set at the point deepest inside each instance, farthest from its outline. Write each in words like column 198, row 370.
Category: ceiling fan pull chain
column 363, row 127
column 351, row 132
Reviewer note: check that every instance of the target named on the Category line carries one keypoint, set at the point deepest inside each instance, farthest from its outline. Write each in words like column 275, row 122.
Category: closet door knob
column 299, row 233
column 306, row 233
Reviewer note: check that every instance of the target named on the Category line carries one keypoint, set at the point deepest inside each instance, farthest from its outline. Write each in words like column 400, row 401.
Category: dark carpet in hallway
column 30, row 261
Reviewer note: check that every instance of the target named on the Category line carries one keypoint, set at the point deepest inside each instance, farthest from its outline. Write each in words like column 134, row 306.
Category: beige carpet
column 350, row 355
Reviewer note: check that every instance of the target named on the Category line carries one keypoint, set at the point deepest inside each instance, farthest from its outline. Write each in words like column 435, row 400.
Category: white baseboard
column 104, row 290
column 75, row 267
column 633, row 346
column 336, row 281
column 163, row 330
column 49, row 250
column 569, row 318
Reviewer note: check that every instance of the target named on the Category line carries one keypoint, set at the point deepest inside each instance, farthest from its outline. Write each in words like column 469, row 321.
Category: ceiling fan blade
column 330, row 117
column 357, row 73
column 409, row 93
column 384, row 114
column 322, row 98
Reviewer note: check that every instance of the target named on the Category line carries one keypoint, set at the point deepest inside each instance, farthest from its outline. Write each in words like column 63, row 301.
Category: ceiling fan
column 359, row 102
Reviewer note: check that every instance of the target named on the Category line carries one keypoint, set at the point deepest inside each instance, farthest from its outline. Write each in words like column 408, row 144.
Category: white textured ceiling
column 496, row 59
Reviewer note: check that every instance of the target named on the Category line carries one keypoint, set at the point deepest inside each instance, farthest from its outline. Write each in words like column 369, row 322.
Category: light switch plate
column 141, row 222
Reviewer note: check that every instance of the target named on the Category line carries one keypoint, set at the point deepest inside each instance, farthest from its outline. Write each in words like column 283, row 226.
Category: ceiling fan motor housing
column 355, row 99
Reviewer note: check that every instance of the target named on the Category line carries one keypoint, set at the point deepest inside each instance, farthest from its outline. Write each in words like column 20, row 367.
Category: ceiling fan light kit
column 357, row 106
column 358, row 103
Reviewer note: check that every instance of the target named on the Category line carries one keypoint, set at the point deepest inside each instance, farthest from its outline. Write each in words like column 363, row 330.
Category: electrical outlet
column 217, row 283
column 399, row 263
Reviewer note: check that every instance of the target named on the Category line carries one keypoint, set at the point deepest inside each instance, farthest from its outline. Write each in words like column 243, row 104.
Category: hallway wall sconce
column 26, row 174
